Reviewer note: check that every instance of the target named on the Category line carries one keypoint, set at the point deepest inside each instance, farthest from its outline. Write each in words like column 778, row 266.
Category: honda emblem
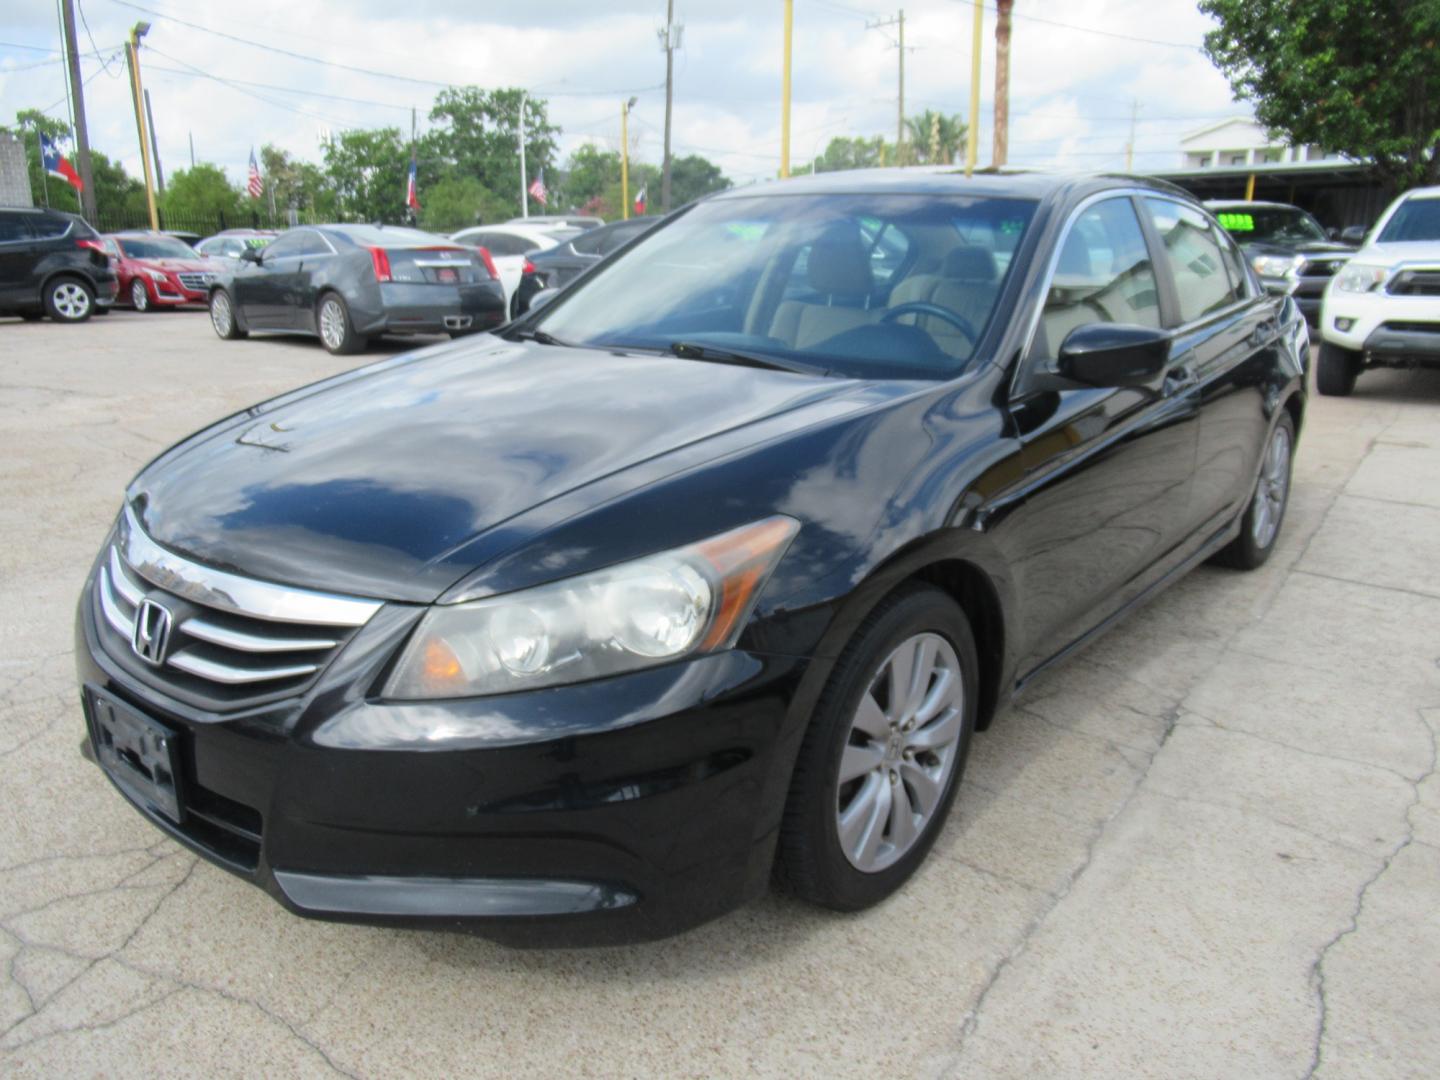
column 152, row 632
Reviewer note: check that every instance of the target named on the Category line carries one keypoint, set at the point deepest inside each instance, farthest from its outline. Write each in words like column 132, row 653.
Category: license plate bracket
column 141, row 755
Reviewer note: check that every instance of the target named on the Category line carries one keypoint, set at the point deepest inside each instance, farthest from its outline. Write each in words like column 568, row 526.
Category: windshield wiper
column 689, row 350
column 540, row 337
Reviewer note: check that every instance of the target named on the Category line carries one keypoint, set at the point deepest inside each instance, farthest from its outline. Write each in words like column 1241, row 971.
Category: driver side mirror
column 251, row 255
column 1114, row 354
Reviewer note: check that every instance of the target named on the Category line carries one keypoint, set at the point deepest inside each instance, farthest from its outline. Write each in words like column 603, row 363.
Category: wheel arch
column 67, row 272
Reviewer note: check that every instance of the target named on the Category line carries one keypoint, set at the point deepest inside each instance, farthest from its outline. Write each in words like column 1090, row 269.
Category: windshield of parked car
column 1414, row 219
column 872, row 286
column 155, row 247
column 1270, row 224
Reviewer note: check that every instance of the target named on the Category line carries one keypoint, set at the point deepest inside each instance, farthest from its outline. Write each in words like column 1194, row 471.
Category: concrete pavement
column 1207, row 846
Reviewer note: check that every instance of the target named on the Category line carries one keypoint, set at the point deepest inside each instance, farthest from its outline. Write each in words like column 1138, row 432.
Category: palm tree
column 929, row 129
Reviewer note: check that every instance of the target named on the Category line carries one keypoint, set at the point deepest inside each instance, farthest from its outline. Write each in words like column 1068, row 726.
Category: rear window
column 384, row 236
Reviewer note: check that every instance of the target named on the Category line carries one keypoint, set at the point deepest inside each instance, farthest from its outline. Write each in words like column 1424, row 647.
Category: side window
column 49, row 228
column 1103, row 275
column 315, row 245
column 1234, row 263
column 1197, row 259
column 12, row 228
column 288, row 245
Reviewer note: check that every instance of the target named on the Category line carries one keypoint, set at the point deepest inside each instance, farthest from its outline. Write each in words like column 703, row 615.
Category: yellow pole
column 625, row 160
column 1250, row 188
column 785, row 93
column 135, row 88
column 972, row 137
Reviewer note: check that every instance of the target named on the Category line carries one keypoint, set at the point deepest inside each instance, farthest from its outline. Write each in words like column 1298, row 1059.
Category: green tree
column 693, row 176
column 476, row 134
column 458, row 202
column 929, row 129
column 589, row 173
column 847, row 152
column 1358, row 77
column 367, row 171
column 117, row 195
column 201, row 192
column 298, row 184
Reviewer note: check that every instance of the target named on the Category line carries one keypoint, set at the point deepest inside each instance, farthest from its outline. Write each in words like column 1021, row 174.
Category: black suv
column 52, row 263
column 1287, row 248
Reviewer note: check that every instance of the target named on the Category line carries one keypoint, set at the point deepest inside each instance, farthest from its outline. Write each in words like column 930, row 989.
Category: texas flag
column 640, row 202
column 57, row 164
column 412, row 197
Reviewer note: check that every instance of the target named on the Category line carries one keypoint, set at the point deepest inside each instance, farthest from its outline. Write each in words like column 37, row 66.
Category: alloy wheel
column 71, row 300
column 1272, row 490
column 221, row 317
column 332, row 323
column 138, row 296
column 903, row 743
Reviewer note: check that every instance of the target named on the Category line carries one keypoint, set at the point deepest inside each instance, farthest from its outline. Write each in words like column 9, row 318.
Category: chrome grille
column 232, row 641
column 1314, row 267
column 194, row 279
column 1416, row 282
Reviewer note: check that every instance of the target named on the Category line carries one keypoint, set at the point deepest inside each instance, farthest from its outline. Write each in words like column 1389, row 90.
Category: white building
column 1240, row 142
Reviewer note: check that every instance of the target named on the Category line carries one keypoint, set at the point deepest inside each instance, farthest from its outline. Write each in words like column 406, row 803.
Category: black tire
column 1337, row 370
column 343, row 341
column 69, row 299
column 101, row 310
column 225, row 320
column 32, row 316
column 1247, row 551
column 810, row 860
column 140, row 296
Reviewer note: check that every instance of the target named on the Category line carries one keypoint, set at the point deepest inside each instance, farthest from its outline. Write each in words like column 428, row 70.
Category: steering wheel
column 921, row 307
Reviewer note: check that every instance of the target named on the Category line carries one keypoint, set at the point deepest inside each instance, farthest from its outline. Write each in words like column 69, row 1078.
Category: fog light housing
column 1343, row 325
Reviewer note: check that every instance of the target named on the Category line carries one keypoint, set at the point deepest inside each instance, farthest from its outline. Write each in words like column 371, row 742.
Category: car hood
column 372, row 483
column 1394, row 253
column 1305, row 247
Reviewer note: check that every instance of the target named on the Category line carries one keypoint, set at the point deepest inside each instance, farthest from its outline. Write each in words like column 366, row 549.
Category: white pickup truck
column 1383, row 308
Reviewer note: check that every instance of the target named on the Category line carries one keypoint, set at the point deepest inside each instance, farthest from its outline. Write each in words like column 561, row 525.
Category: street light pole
column 132, row 56
column 524, row 188
column 785, row 93
column 972, row 137
column 625, row 157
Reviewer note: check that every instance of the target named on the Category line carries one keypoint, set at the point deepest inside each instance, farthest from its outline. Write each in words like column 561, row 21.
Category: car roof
column 950, row 180
column 1422, row 193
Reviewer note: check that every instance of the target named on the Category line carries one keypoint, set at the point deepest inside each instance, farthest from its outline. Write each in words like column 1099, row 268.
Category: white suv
column 1383, row 308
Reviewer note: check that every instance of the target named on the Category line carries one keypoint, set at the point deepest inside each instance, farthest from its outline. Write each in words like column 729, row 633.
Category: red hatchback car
column 156, row 270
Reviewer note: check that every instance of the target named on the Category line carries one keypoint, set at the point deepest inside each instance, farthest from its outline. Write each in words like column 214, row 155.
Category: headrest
column 969, row 264
column 838, row 264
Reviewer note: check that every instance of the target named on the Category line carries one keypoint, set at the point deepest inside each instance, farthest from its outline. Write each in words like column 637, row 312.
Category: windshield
column 872, row 286
column 1270, row 224
column 155, row 247
column 1415, row 219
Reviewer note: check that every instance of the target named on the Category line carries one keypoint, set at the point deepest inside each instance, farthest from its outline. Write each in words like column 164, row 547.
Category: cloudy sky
column 236, row 75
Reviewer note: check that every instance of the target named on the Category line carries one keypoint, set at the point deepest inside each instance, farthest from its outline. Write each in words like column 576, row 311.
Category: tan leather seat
column 838, row 268
column 966, row 284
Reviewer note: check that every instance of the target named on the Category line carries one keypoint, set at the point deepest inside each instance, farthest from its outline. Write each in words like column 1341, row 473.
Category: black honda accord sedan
column 703, row 574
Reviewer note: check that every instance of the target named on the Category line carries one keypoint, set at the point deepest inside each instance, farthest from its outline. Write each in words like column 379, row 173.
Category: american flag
column 537, row 189
column 254, row 185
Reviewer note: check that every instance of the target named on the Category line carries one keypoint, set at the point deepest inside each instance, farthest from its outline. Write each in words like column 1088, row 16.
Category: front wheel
column 139, row 295
column 1337, row 370
column 1260, row 527
column 69, row 300
column 882, row 758
column 222, row 316
column 337, row 332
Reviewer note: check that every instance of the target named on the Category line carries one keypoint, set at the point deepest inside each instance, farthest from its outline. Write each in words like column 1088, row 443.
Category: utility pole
column 192, row 149
column 899, row 22
column 1130, row 145
column 1002, row 80
column 625, row 157
column 670, row 41
column 972, row 137
column 154, row 145
column 524, row 188
column 82, row 135
column 132, row 59
column 785, row 92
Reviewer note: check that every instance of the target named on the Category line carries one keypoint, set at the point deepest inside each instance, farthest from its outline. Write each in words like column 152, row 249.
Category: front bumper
column 1382, row 324
column 623, row 809
column 435, row 309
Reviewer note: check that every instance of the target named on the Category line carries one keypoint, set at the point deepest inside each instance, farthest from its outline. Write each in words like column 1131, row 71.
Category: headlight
column 154, row 275
column 1361, row 277
column 693, row 599
column 1276, row 265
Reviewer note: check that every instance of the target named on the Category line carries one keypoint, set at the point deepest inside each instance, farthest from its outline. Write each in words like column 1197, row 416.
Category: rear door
column 1107, row 470
column 300, row 288
column 1227, row 332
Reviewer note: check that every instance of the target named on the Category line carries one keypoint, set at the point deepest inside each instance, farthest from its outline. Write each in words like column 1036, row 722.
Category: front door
column 262, row 289
column 1107, row 471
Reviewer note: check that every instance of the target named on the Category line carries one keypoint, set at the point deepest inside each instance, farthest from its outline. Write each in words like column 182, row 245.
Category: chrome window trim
column 231, row 592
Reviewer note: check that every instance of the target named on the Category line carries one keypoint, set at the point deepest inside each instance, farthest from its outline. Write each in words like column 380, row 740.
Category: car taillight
column 489, row 263
column 93, row 245
column 380, row 258
column 528, row 268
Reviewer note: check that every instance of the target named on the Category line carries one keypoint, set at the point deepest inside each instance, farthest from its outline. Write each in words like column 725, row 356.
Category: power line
column 250, row 93
column 199, row 74
column 1083, row 29
column 86, row 23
